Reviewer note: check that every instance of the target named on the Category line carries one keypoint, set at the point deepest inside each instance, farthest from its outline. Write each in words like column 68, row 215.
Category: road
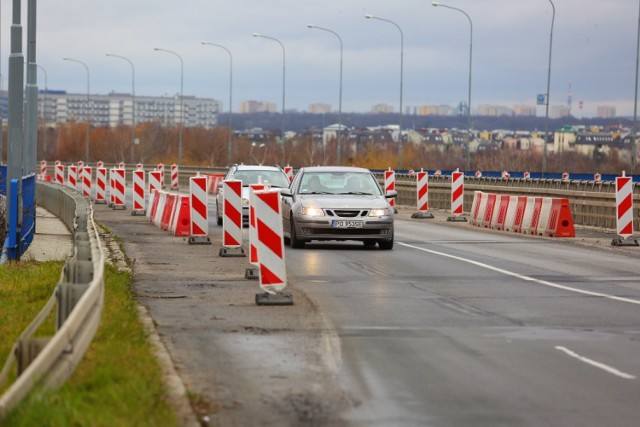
column 456, row 326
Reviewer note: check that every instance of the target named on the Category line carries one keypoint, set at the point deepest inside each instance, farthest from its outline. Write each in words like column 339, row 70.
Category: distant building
column 116, row 109
column 493, row 110
column 257, row 107
column 434, row 110
column 559, row 111
column 606, row 112
column 524, row 110
column 382, row 108
column 319, row 108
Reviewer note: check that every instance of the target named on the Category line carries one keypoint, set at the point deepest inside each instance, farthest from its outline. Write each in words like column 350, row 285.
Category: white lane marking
column 602, row 366
column 523, row 277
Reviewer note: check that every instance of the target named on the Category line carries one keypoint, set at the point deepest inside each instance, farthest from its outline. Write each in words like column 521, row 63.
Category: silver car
column 337, row 203
column 251, row 174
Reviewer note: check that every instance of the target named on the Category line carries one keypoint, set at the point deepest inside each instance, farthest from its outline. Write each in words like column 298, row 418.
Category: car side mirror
column 285, row 192
column 391, row 194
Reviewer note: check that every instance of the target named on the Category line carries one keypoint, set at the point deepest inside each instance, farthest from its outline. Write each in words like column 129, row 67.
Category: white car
column 251, row 174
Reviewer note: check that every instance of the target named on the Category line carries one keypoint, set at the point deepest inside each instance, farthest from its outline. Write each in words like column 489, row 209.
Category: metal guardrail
column 79, row 296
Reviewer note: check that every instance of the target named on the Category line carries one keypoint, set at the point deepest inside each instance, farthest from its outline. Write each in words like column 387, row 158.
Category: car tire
column 386, row 244
column 295, row 242
column 218, row 216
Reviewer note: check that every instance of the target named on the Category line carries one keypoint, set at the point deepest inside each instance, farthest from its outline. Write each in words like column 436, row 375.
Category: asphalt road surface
column 456, row 326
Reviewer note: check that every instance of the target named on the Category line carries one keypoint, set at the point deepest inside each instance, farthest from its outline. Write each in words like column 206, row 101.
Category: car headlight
column 311, row 211
column 379, row 212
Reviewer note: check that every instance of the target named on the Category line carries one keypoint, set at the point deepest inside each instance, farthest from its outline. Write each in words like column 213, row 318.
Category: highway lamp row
column 468, row 136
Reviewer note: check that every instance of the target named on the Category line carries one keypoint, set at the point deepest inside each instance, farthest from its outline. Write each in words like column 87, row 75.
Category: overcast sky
column 594, row 47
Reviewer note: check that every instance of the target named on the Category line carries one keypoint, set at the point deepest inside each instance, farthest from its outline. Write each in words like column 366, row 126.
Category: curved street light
column 87, row 113
column 368, row 16
column 338, row 142
column 229, row 147
column 437, row 4
column 546, row 117
column 634, row 149
column 157, row 49
column 283, row 85
column 44, row 111
column 133, row 101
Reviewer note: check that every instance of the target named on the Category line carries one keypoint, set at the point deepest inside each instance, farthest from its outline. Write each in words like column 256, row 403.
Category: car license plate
column 346, row 223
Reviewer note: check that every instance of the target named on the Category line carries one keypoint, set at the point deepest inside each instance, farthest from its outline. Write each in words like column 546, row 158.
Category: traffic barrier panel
column 273, row 273
column 457, row 197
column 288, row 170
column 565, row 176
column 79, row 176
column 500, row 212
column 252, row 273
column 154, row 181
column 101, row 185
column 624, row 212
column 390, row 185
column 59, row 173
column 181, row 218
column 121, row 165
column 531, row 215
column 199, row 211
column 558, row 222
column 160, row 169
column 488, row 210
column 169, row 207
column 478, row 174
column 161, row 195
column 597, row 177
column 175, row 184
column 476, row 206
column 232, row 218
column 43, row 167
column 118, row 189
column 153, row 205
column 213, row 182
column 422, row 195
column 87, row 173
column 140, row 166
column 138, row 193
column 526, row 175
column 72, row 177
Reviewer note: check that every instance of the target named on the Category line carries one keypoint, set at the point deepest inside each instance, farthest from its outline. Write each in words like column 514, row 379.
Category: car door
column 287, row 205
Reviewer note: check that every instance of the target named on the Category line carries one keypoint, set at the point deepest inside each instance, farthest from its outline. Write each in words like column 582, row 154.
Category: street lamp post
column 229, row 146
column 634, row 132
column 181, row 125
column 437, row 4
column 400, row 164
column 546, row 116
column 338, row 142
column 44, row 112
column 283, row 85
column 133, row 101
column 88, row 114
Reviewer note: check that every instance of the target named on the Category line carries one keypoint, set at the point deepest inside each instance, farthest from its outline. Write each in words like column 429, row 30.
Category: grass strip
column 117, row 383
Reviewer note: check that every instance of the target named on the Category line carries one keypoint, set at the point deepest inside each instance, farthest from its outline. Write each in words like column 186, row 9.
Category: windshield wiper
column 318, row 192
column 359, row 193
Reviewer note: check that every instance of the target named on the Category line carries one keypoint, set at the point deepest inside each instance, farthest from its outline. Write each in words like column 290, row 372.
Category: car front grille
column 347, row 213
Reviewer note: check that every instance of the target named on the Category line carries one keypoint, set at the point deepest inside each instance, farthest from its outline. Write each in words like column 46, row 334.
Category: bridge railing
column 78, row 300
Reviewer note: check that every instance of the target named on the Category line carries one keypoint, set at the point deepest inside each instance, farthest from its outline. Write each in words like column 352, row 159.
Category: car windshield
column 277, row 179
column 359, row 183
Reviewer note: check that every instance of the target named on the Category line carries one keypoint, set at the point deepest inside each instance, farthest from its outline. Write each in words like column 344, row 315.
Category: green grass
column 117, row 383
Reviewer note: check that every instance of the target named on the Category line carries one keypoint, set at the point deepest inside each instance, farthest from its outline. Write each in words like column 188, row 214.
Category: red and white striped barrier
column 288, row 170
column 79, row 175
column 160, row 168
column 199, row 233
column 169, row 207
column 87, row 173
column 59, row 173
column 597, row 177
column 72, row 177
column 251, row 273
column 121, row 165
column 624, row 211
column 174, row 177
column 390, row 185
column 100, row 164
column 139, row 166
column 543, row 216
column 213, row 182
column 118, row 188
column 159, row 201
column 43, row 167
column 181, row 217
column 457, row 197
column 101, row 185
column 232, row 218
column 478, row 174
column 565, row 176
column 506, row 175
column 526, row 175
column 137, row 207
column 273, row 273
column 437, row 173
column 422, row 183
column 154, row 181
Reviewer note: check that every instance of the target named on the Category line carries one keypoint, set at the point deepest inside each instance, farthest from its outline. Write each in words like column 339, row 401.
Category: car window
column 339, row 183
column 277, row 179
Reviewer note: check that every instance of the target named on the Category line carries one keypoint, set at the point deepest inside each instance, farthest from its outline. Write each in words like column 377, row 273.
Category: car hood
column 346, row 201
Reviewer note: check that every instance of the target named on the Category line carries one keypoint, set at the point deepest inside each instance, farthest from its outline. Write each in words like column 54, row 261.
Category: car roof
column 335, row 169
column 258, row 168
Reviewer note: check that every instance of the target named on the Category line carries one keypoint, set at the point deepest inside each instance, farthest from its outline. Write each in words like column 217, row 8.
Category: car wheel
column 296, row 243
column 386, row 244
column 218, row 216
